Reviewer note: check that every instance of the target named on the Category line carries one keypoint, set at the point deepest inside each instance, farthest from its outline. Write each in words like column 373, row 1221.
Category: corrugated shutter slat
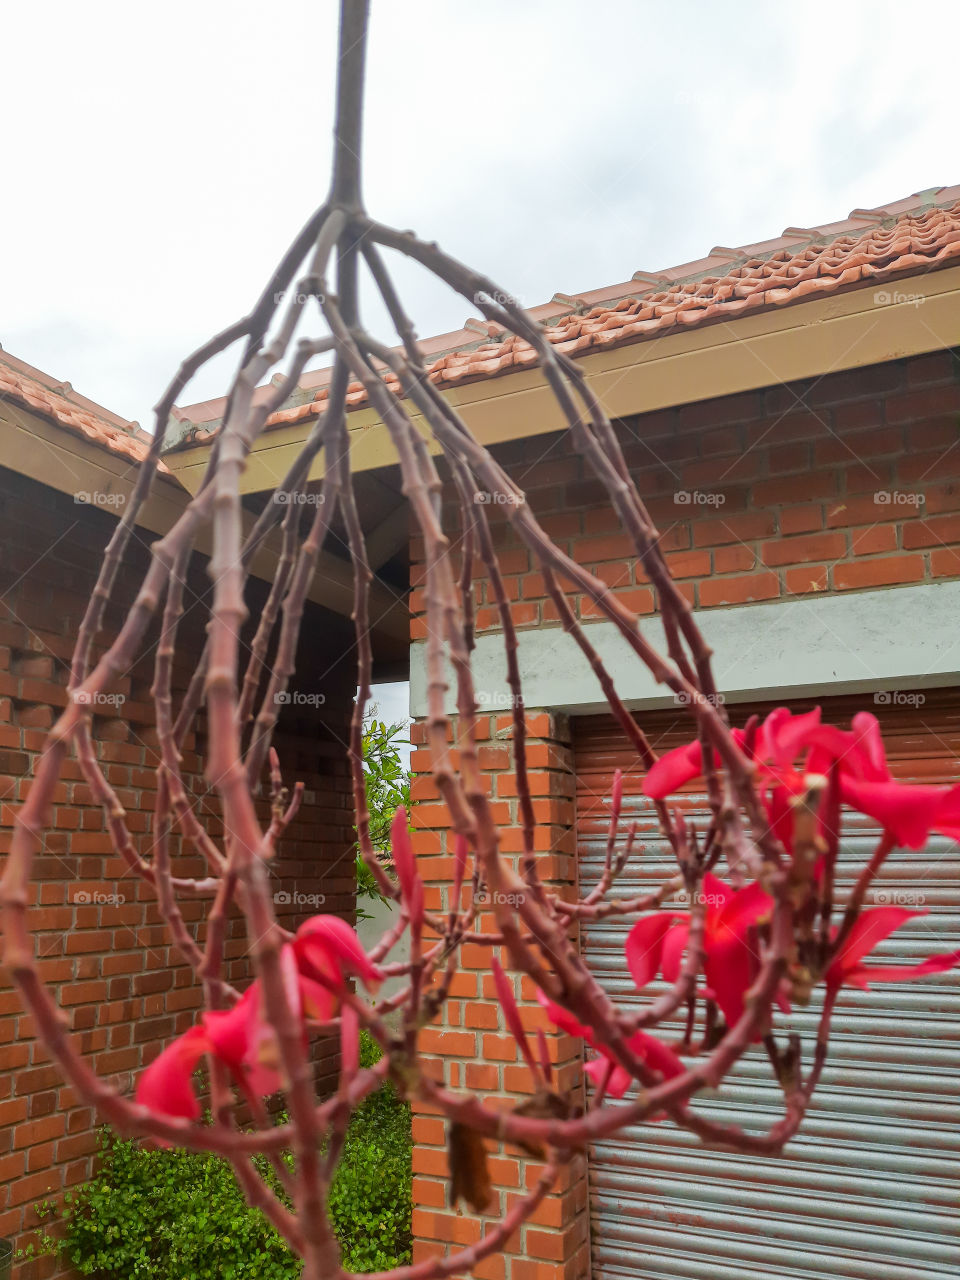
column 871, row 1187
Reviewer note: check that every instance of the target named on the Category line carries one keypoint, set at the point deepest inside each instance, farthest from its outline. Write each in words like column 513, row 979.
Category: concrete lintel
column 895, row 639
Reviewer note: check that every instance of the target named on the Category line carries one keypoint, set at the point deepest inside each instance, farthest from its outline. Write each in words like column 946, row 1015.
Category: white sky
column 157, row 159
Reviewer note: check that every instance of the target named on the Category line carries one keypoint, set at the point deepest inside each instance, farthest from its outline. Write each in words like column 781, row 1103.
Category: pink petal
column 403, row 859
column 349, row 1040
column 784, row 736
column 510, row 1012
column 620, row 1079
column 862, row 975
column 869, row 929
column 316, row 1001
column 563, row 1020
column 909, row 813
column 730, row 967
column 746, row 907
column 650, row 1051
column 656, row 1055
column 870, row 758
column 780, row 812
column 166, row 1086
column 673, row 770
column 327, row 949
column 229, row 1030
column 717, row 890
column 644, row 945
column 674, row 945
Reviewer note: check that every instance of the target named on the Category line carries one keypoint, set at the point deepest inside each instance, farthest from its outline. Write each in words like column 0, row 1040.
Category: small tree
column 387, row 787
column 743, row 947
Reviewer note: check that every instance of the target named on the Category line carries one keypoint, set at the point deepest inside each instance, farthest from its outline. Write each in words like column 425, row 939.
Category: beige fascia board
column 808, row 339
column 35, row 447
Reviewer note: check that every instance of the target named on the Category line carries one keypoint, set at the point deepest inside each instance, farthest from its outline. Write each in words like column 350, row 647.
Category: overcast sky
column 157, row 159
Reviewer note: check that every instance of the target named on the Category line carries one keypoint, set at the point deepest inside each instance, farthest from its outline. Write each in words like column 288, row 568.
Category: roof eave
column 847, row 329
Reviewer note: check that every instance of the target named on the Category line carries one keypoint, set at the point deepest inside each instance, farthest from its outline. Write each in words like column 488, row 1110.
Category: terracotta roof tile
column 921, row 232
column 36, row 391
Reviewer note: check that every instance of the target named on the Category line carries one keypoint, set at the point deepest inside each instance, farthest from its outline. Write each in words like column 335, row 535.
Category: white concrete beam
column 899, row 638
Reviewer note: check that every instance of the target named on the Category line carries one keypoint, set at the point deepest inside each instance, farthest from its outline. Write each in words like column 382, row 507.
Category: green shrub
column 371, row 1200
column 172, row 1214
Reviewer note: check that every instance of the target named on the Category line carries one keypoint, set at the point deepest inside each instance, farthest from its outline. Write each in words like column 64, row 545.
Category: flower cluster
column 792, row 756
column 789, row 752
column 316, row 966
column 908, row 812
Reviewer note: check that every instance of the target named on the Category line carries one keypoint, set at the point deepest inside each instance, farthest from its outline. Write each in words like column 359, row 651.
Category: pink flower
column 647, row 1048
column 315, row 968
column 405, row 864
column 909, row 813
column 656, row 943
column 869, row 929
column 166, row 1086
column 329, row 951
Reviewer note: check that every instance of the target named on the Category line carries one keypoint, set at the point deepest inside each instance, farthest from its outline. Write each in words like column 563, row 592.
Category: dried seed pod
column 469, row 1175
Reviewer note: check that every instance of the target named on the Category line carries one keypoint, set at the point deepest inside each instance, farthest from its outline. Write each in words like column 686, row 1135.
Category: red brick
column 883, row 572
column 790, row 489
column 482, row 1075
column 811, row 578
column 941, row 433
column 589, row 550
column 933, row 532
column 858, row 446
column 802, row 425
column 637, row 600
column 689, row 564
column 460, row 1044
column 786, row 458
column 914, row 405
column 734, row 559
column 739, row 590
column 427, row 1191
column 848, row 512
column 945, row 562
column 869, row 542
column 733, row 528
column 940, row 366
column 819, row 546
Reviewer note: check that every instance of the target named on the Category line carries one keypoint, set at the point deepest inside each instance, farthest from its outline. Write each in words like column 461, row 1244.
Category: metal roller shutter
column 871, row 1187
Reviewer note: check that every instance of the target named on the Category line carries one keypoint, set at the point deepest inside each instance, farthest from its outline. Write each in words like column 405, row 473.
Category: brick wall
column 102, row 944
column 841, row 483
column 847, row 482
column 471, row 1047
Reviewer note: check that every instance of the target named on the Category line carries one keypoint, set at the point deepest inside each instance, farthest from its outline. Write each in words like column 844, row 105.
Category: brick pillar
column 470, row 1048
